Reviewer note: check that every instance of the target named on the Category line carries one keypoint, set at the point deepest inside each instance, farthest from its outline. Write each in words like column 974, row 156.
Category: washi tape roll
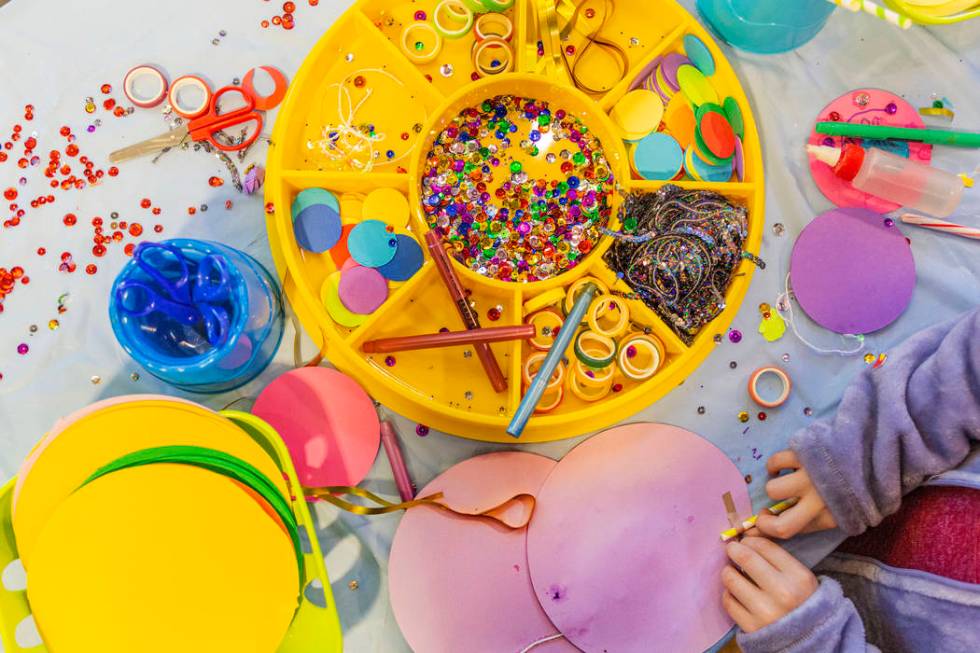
column 189, row 111
column 603, row 305
column 633, row 346
column 545, row 299
column 594, row 349
column 588, row 394
column 415, row 48
column 487, row 56
column 577, row 286
column 453, row 11
column 141, row 73
column 494, row 24
column 787, row 385
column 531, row 365
column 547, row 323
column 544, row 407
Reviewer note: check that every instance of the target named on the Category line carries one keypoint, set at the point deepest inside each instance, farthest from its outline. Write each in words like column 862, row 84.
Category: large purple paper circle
column 852, row 271
column 461, row 583
column 362, row 290
column 624, row 547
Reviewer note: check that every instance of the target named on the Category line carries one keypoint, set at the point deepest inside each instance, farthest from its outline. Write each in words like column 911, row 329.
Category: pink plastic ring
column 138, row 72
column 183, row 82
column 754, row 383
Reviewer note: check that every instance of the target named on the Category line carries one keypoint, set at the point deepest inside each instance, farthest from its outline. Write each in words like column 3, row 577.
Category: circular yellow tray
column 408, row 105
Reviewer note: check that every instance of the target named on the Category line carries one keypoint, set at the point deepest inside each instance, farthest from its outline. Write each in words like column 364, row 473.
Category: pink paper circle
column 362, row 290
column 461, row 583
column 852, row 271
column 841, row 192
column 327, row 421
column 624, row 548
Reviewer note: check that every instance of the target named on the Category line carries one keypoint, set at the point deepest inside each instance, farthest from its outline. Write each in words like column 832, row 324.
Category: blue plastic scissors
column 186, row 297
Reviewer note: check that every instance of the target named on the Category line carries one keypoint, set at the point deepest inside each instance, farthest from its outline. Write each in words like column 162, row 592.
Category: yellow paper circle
column 104, row 436
column 162, row 559
column 637, row 114
column 387, row 205
column 330, row 296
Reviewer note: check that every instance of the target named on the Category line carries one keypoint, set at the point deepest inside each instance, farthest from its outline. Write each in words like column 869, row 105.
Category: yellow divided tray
column 407, row 107
column 314, row 628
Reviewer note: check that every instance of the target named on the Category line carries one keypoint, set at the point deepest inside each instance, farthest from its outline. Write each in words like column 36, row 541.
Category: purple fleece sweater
column 917, row 416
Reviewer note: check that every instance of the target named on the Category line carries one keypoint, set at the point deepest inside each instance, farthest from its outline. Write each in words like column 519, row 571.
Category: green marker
column 881, row 132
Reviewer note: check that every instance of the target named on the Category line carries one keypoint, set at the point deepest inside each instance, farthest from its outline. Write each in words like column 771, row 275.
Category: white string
column 788, row 297
column 347, row 140
column 543, row 640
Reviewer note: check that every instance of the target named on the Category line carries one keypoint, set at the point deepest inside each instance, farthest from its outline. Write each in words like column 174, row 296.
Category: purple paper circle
column 362, row 290
column 851, row 272
column 739, row 162
column 669, row 66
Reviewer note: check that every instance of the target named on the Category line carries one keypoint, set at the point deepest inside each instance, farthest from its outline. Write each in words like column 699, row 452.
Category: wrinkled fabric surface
column 54, row 54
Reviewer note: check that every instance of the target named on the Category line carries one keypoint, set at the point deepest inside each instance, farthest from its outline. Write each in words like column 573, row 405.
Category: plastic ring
column 184, row 82
column 573, row 290
column 140, row 72
column 498, row 5
column 459, row 13
column 556, row 378
column 598, row 378
column 545, row 319
column 476, row 6
column 754, row 389
column 653, row 347
column 602, row 305
column 495, row 66
column 494, row 24
column 547, row 408
column 410, row 50
column 580, row 392
column 591, row 357
column 544, row 300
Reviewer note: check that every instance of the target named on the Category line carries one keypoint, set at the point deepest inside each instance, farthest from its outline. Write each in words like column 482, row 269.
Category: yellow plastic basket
column 441, row 387
column 314, row 628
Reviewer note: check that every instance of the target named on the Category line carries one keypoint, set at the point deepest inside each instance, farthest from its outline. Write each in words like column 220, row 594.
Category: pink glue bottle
column 893, row 178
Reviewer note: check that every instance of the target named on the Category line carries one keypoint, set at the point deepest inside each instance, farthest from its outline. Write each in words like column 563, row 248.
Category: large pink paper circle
column 461, row 583
column 624, row 548
column 874, row 112
column 327, row 421
column 852, row 271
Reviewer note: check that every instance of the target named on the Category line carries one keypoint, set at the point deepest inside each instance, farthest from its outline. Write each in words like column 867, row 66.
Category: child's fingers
column 740, row 587
column 753, row 565
column 788, row 485
column 823, row 521
column 774, row 554
column 781, row 460
column 792, row 521
column 738, row 613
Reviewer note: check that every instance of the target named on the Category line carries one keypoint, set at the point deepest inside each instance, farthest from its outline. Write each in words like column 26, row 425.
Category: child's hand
column 808, row 515
column 772, row 583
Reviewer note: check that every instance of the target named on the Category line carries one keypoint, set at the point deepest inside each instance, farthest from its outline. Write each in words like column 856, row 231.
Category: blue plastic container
column 180, row 353
column 766, row 26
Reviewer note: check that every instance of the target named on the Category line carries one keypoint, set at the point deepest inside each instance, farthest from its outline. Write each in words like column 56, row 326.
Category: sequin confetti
column 421, row 430
column 735, row 336
column 743, row 416
column 499, row 221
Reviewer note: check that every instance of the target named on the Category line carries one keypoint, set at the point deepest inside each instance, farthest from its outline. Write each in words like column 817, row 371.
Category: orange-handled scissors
column 206, row 127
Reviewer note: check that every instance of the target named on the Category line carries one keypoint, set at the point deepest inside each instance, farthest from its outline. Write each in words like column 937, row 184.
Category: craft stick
column 932, row 136
column 561, row 344
column 389, row 438
column 876, row 10
column 449, row 339
column 941, row 225
column 775, row 509
column 470, row 318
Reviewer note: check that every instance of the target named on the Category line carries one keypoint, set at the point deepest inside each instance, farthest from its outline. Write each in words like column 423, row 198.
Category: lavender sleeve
column 916, row 416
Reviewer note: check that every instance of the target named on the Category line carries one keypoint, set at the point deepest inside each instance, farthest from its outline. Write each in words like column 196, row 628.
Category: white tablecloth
column 55, row 53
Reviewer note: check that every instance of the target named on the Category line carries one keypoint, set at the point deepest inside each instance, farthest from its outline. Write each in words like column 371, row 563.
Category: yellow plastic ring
column 653, row 347
column 547, row 408
column 580, row 392
column 599, row 377
column 494, row 24
column 545, row 319
column 494, row 66
column 602, row 305
column 458, row 13
column 411, row 50
column 556, row 378
column 544, row 300
column 595, row 350
column 573, row 291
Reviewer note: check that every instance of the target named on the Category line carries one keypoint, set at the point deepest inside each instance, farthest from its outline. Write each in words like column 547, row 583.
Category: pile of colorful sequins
column 678, row 252
column 499, row 220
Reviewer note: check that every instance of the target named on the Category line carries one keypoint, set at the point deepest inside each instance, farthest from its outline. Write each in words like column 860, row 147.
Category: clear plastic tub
column 766, row 26
column 180, row 353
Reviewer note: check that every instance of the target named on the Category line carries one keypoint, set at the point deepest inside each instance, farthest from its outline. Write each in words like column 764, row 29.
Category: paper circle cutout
column 669, row 67
column 317, row 228
column 738, row 162
column 371, row 244
column 362, row 290
column 679, row 120
column 624, row 546
column 461, row 583
column 312, row 196
column 407, row 261
column 330, row 296
column 637, row 114
column 698, row 53
column 850, row 272
column 717, row 134
column 339, row 252
column 734, row 114
column 696, row 86
column 875, row 111
column 326, row 420
column 658, row 157
column 387, row 205
column 163, row 558
column 101, row 437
